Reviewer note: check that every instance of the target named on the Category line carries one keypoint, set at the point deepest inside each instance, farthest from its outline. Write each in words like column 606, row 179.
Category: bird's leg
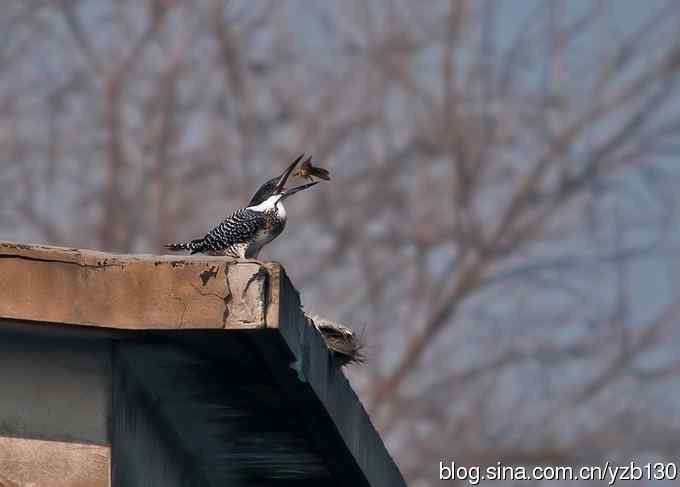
column 241, row 251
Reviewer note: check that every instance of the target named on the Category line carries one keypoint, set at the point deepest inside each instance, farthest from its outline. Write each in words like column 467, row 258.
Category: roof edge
column 69, row 286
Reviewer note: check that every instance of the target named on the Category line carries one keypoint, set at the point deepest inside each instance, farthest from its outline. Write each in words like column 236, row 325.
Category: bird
column 307, row 171
column 247, row 230
column 340, row 340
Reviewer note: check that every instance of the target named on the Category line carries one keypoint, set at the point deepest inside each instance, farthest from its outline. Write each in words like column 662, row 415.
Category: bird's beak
column 294, row 190
column 281, row 183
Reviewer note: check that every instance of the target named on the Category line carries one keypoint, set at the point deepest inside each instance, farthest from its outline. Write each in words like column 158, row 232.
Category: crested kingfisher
column 245, row 231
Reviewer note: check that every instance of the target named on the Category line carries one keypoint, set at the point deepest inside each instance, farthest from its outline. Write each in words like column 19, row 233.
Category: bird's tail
column 320, row 173
column 307, row 170
column 193, row 246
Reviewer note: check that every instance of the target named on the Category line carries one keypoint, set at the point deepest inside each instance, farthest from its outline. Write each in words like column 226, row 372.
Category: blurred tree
column 502, row 211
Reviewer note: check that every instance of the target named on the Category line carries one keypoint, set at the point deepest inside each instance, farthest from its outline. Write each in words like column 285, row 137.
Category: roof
column 246, row 386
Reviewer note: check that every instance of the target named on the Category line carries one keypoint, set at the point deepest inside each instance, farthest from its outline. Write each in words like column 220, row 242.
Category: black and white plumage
column 242, row 234
column 245, row 231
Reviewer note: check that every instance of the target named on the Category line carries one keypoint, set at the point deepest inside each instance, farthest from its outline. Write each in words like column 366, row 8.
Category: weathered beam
column 72, row 286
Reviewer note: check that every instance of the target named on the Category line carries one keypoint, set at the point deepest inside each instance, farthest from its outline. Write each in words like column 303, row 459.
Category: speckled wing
column 241, row 227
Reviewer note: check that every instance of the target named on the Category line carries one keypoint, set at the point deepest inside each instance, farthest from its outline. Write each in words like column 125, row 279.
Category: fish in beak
column 281, row 183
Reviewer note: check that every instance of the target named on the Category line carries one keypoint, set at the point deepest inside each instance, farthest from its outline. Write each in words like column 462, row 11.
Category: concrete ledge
column 72, row 286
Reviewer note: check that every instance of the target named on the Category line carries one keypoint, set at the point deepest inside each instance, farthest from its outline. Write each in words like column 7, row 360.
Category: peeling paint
column 208, row 274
